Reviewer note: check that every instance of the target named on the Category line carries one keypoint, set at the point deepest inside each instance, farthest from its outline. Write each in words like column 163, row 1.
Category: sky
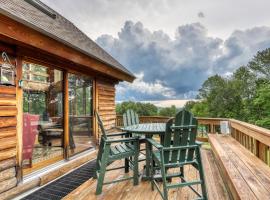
column 172, row 46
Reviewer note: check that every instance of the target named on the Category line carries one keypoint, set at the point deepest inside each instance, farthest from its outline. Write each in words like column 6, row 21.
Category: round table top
column 152, row 128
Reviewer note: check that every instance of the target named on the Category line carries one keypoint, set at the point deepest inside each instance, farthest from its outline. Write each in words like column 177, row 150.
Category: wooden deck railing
column 253, row 138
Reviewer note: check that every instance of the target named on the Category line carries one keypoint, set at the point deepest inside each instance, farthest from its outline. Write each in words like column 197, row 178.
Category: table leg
column 147, row 175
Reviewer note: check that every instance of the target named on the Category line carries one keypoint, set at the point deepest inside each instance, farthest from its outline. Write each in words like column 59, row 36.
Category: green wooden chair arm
column 154, row 143
column 199, row 143
column 180, row 147
column 131, row 139
column 117, row 134
column 183, row 127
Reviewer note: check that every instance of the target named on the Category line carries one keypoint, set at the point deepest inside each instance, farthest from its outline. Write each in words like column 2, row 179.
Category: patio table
column 148, row 130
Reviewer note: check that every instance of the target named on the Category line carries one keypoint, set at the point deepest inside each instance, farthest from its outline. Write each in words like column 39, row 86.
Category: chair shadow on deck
column 126, row 191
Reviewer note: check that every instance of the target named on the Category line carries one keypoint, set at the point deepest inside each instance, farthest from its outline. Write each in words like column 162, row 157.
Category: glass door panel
column 43, row 115
column 80, row 113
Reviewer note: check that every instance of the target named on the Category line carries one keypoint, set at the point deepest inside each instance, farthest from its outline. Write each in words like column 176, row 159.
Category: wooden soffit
column 30, row 37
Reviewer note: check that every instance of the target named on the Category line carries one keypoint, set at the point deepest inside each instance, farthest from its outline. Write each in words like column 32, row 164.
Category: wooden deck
column 126, row 190
column 247, row 176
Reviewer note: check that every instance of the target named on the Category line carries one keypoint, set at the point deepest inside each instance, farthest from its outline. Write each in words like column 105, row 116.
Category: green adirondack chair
column 178, row 148
column 111, row 149
column 132, row 118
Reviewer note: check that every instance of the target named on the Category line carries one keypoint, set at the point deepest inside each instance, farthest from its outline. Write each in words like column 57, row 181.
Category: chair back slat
column 167, row 140
column 125, row 120
column 100, row 123
column 130, row 118
column 183, row 134
column 137, row 118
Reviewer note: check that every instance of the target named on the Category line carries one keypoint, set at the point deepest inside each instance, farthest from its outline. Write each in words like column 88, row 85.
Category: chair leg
column 126, row 165
column 152, row 170
column 104, row 160
column 99, row 154
column 182, row 171
column 200, row 168
column 136, row 170
column 164, row 181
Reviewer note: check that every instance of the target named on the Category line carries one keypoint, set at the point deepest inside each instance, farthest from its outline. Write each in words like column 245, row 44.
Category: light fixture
column 7, row 71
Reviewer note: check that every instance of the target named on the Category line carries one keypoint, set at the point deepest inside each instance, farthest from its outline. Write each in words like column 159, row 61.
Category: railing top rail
column 255, row 128
column 210, row 118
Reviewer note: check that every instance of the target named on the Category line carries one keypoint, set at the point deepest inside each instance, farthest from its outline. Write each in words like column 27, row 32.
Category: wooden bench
column 245, row 175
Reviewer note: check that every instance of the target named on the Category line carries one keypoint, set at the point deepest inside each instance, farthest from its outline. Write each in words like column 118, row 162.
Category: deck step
column 247, row 177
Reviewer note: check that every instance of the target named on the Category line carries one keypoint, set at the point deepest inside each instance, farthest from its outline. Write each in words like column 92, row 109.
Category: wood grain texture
column 6, row 111
column 7, row 174
column 66, row 115
column 8, row 142
column 7, row 122
column 126, row 191
column 19, row 189
column 8, row 163
column 7, row 153
column 7, row 184
column 7, row 132
column 19, row 127
column 38, row 40
column 7, row 90
column 246, row 175
column 106, row 103
column 8, row 101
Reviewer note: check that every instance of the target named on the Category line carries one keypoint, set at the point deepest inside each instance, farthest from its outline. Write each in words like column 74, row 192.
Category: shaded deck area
column 126, row 191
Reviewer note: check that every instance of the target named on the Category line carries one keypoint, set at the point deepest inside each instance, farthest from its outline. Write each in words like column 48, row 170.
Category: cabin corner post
column 66, row 115
column 19, row 99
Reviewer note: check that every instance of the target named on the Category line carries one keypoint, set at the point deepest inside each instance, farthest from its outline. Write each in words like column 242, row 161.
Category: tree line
column 145, row 109
column 245, row 95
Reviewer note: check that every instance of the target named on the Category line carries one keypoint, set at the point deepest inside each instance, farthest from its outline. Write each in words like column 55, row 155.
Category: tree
column 260, row 64
column 261, row 107
column 200, row 109
column 168, row 111
column 143, row 109
column 189, row 105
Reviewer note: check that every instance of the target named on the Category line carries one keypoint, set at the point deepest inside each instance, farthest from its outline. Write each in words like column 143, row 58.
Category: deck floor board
column 126, row 191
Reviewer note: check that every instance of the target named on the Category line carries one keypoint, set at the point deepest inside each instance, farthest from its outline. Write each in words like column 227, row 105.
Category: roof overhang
column 18, row 30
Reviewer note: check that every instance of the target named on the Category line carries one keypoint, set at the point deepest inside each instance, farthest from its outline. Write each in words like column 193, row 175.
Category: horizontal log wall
column 8, row 141
column 106, row 103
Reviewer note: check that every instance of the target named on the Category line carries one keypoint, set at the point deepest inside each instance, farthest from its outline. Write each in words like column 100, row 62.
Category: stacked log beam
column 8, row 122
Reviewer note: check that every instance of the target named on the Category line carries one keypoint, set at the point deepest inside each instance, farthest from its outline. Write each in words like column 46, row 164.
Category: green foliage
column 168, row 111
column 260, row 64
column 143, row 109
column 244, row 95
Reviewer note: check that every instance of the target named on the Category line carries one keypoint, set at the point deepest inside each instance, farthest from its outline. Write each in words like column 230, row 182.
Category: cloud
column 139, row 86
column 175, row 68
column 201, row 15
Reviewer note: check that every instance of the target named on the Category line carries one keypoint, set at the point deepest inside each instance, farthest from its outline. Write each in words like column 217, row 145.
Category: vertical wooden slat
column 19, row 99
column 66, row 115
column 95, row 108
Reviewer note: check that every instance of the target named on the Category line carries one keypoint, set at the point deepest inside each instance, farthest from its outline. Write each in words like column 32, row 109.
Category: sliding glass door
column 80, row 113
column 43, row 111
column 43, row 133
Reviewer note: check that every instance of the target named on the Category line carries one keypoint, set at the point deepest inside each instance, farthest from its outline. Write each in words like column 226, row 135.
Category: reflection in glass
column 80, row 112
column 43, row 114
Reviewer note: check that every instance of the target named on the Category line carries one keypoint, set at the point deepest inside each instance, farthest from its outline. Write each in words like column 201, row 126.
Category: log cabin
column 52, row 79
